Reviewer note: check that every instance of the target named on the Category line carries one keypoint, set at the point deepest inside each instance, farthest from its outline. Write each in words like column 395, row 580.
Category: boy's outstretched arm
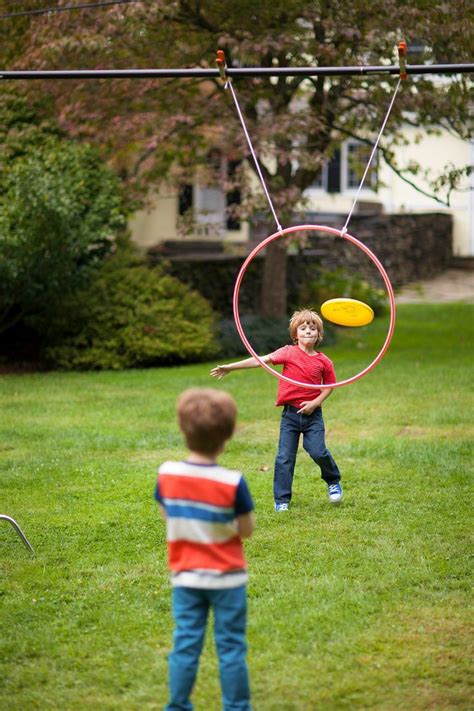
column 220, row 370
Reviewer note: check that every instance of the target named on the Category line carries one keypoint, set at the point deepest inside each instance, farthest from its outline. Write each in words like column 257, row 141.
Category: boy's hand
column 308, row 407
column 219, row 371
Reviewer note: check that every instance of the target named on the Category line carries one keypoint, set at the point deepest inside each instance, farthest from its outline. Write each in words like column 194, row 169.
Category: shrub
column 340, row 283
column 264, row 334
column 132, row 316
column 60, row 210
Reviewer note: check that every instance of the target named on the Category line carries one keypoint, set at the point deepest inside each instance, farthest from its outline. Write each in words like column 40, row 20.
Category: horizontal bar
column 64, row 8
column 353, row 71
column 233, row 72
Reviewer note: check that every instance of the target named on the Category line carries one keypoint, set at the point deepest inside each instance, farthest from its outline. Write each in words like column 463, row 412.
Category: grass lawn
column 362, row 606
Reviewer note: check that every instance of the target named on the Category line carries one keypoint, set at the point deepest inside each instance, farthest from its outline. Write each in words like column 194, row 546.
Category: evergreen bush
column 132, row 316
column 61, row 209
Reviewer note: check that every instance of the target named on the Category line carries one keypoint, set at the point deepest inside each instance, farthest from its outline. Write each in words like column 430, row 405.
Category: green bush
column 132, row 316
column 264, row 335
column 340, row 283
column 60, row 211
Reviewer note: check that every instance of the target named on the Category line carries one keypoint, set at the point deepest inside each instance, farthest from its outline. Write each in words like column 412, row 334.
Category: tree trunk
column 273, row 296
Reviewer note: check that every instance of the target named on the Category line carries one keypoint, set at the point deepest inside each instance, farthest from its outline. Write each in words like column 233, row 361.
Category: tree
column 60, row 210
column 155, row 130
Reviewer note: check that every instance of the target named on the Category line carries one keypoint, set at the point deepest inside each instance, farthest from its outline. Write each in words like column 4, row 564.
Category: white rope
column 344, row 229
column 228, row 85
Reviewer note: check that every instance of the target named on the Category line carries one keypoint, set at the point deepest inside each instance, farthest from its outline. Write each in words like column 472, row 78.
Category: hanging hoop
column 336, row 233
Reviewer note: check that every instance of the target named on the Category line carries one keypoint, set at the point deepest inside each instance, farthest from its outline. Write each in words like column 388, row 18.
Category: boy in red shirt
column 208, row 511
column 302, row 413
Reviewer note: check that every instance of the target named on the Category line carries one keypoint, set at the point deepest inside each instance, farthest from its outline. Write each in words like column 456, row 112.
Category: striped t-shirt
column 201, row 504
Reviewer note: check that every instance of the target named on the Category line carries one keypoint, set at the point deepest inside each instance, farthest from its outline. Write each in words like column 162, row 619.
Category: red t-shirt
column 305, row 368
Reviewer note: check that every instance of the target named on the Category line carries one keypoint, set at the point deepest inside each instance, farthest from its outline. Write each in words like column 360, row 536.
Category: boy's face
column 307, row 334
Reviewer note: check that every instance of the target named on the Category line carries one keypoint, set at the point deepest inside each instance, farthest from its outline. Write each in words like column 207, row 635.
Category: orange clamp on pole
column 221, row 65
column 402, row 58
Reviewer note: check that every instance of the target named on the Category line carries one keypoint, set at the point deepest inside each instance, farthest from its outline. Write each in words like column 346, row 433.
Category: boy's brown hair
column 207, row 418
column 303, row 316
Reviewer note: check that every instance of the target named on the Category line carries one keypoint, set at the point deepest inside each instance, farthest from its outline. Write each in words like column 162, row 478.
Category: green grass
column 365, row 606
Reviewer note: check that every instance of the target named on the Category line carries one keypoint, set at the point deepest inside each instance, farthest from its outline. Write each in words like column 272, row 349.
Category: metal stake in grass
column 18, row 530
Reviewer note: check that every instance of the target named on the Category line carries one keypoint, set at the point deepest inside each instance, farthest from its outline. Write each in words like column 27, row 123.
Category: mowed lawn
column 362, row 606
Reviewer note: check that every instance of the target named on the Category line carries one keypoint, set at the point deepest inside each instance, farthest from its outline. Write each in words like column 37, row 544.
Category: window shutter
column 185, row 199
column 334, row 173
column 233, row 197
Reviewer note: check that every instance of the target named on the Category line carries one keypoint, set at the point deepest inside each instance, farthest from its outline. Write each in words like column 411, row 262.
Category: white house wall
column 160, row 222
column 433, row 153
column 157, row 223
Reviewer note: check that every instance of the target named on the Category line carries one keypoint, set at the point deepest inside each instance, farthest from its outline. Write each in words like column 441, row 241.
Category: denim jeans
column 190, row 611
column 292, row 425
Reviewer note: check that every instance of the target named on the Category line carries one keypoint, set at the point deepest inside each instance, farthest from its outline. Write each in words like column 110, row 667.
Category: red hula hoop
column 337, row 233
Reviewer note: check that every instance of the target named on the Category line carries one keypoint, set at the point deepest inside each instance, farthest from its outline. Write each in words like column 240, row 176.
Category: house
column 332, row 194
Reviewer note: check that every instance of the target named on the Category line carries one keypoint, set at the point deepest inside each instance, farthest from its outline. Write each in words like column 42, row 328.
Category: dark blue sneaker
column 335, row 493
column 281, row 506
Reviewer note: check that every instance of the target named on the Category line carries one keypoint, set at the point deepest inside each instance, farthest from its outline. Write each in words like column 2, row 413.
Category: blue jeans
column 190, row 611
column 312, row 428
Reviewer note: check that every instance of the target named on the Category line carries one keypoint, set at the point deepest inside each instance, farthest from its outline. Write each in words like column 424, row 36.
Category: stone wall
column 410, row 247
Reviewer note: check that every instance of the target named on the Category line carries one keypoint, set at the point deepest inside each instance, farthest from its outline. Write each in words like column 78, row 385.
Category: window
column 213, row 210
column 209, row 206
column 329, row 178
column 356, row 157
column 344, row 171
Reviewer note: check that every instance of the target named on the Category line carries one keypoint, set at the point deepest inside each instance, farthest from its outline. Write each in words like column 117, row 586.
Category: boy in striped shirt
column 208, row 511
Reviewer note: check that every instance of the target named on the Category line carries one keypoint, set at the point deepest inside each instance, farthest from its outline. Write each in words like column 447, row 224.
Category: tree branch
column 398, row 171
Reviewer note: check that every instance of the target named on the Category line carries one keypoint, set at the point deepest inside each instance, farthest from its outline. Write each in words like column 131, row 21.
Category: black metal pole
column 196, row 73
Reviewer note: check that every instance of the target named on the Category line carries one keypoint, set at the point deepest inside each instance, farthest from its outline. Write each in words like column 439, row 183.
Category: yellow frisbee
column 347, row 312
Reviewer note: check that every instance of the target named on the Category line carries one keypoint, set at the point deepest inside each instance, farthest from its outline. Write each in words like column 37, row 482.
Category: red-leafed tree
column 154, row 130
